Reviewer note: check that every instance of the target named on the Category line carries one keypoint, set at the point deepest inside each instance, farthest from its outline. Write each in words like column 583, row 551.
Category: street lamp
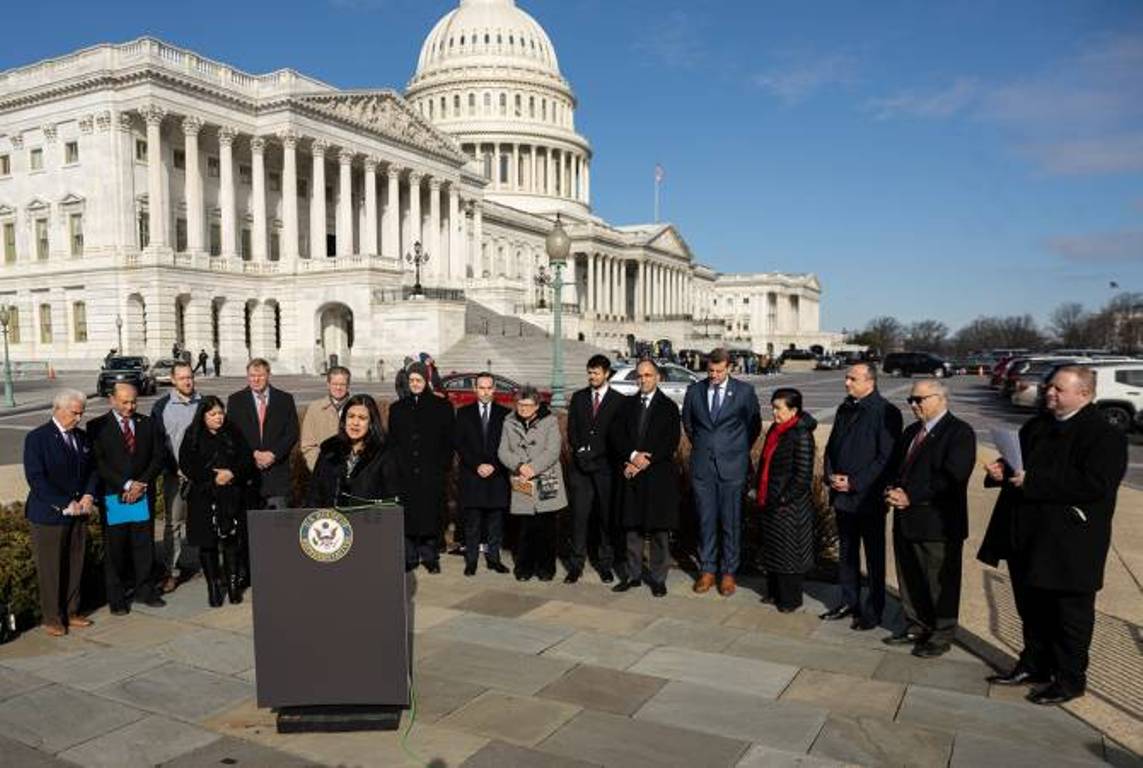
column 119, row 333
column 558, row 245
column 418, row 257
column 9, row 395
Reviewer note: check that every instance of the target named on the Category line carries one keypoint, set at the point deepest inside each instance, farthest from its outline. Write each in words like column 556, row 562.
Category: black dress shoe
column 120, row 610
column 836, row 614
column 496, row 566
column 658, row 589
column 903, row 638
column 788, row 608
column 768, row 600
column 1053, row 693
column 470, row 569
column 545, row 576
column 625, row 585
column 862, row 624
column 433, row 567
column 523, row 576
column 155, row 602
column 930, row 650
column 572, row 577
column 1018, row 676
column 606, row 576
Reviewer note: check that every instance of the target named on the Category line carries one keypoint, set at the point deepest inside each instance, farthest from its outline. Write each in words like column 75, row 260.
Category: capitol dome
column 488, row 75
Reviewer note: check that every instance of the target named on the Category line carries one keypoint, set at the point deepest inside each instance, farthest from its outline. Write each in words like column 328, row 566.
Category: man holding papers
column 128, row 457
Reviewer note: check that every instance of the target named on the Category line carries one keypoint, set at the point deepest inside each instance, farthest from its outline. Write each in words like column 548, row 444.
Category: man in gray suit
column 722, row 419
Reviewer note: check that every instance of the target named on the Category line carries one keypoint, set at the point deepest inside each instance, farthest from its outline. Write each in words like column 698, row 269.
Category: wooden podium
column 331, row 637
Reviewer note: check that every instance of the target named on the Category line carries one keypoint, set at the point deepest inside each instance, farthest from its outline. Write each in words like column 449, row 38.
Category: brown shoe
column 704, row 583
column 79, row 622
column 727, row 586
column 169, row 584
column 55, row 629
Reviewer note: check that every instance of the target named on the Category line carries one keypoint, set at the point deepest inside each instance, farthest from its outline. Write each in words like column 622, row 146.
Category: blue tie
column 716, row 402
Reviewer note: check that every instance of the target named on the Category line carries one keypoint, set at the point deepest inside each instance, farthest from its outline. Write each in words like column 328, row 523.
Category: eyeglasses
column 917, row 399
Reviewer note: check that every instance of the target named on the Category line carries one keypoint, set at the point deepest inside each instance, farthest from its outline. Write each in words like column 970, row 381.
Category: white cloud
column 1098, row 247
column 673, row 40
column 800, row 79
column 950, row 100
column 1106, row 154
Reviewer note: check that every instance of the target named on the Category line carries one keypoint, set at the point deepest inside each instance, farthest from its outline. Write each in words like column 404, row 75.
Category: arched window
column 444, row 107
column 487, row 38
column 503, row 104
column 462, row 41
column 544, row 111
column 500, row 39
column 532, row 107
column 456, row 105
column 487, row 103
column 471, row 103
column 518, row 102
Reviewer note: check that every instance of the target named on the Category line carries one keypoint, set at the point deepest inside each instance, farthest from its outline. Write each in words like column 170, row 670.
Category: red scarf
column 772, row 438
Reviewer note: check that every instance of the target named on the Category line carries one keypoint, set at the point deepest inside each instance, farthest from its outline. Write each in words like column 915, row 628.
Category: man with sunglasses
column 932, row 463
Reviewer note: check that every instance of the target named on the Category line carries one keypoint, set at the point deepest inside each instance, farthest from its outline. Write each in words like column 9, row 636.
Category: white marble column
column 226, row 198
column 391, row 218
column 533, row 183
column 550, row 176
column 433, row 246
column 623, row 314
column 455, row 234
column 193, row 185
column 345, row 204
column 317, row 200
column 641, row 292
column 612, row 285
column 514, row 179
column 369, row 237
column 577, row 180
column 587, row 182
column 479, row 267
column 415, row 225
column 258, row 201
column 590, row 285
column 290, row 247
column 497, row 184
column 156, row 200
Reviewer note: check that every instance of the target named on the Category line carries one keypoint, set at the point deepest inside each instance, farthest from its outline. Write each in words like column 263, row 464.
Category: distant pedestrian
column 201, row 364
column 217, row 363
column 401, row 381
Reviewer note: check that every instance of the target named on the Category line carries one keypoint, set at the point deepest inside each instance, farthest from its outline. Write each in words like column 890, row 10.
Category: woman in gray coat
column 530, row 449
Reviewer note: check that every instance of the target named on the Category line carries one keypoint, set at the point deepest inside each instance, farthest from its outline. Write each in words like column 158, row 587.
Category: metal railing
column 405, row 293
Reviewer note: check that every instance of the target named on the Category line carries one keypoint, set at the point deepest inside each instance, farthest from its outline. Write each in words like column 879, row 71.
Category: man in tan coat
column 322, row 415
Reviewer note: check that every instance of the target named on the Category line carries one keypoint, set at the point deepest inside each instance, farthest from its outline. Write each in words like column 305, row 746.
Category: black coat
column 368, row 480
column 207, row 501
column 114, row 464
column 279, row 435
column 861, row 446
column 420, row 436
column 936, row 481
column 474, row 448
column 1071, row 467
column 650, row 500
column 787, row 519
column 587, row 436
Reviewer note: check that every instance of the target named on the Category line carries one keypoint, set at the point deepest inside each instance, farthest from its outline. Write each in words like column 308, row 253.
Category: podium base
column 339, row 719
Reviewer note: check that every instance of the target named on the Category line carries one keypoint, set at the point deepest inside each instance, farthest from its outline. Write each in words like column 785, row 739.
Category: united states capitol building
column 149, row 195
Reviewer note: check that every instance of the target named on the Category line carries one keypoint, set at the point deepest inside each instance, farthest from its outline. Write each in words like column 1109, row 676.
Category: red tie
column 913, row 446
column 595, row 406
column 261, row 412
column 128, row 436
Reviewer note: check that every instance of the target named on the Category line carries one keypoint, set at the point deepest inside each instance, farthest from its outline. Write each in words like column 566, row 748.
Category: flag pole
column 656, row 197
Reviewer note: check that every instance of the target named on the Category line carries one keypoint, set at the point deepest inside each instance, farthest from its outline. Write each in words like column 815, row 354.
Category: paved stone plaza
column 536, row 674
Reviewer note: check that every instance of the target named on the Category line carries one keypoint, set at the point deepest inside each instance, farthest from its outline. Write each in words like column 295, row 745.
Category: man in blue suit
column 722, row 419
column 60, row 470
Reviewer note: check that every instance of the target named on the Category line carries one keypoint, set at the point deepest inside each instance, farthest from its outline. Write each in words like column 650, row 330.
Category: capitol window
column 36, row 159
column 246, row 174
column 215, row 239
column 5, row 165
column 141, row 150
column 71, row 152
column 212, row 167
column 9, row 242
column 303, row 187
column 275, row 182
column 75, row 233
column 79, row 321
column 42, row 239
column 472, row 104
column 532, row 107
column 45, row 323
column 503, row 105
column 14, row 324
column 519, row 102
column 180, row 235
column 456, row 105
column 179, row 159
column 487, row 103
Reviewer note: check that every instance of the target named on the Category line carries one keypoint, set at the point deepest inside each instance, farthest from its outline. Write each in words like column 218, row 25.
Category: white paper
column 1008, row 443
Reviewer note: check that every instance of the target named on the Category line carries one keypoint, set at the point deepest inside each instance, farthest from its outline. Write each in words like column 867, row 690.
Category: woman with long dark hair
column 785, row 499
column 351, row 468
column 218, row 465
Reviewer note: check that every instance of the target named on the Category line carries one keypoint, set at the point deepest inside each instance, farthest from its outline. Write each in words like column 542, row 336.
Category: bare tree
column 1070, row 324
column 988, row 332
column 927, row 336
column 882, row 333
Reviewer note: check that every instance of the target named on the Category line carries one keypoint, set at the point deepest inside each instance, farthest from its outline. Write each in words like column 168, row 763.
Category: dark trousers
column 660, row 553
column 129, row 548
column 856, row 531
column 928, row 576
column 785, row 589
column 422, row 549
column 1057, row 628
column 719, row 506
column 591, row 492
column 58, row 550
column 536, row 550
column 491, row 520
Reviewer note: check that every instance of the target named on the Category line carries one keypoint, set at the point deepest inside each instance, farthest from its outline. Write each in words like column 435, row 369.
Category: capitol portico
column 149, row 195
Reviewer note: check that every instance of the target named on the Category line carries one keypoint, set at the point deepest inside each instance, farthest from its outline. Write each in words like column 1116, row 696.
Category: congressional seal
column 326, row 535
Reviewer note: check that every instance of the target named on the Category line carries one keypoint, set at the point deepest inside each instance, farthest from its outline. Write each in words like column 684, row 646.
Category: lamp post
column 9, row 395
column 558, row 245
column 119, row 333
column 543, row 280
column 418, row 257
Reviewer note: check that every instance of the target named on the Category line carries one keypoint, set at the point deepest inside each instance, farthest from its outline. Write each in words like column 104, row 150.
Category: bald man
column 1052, row 523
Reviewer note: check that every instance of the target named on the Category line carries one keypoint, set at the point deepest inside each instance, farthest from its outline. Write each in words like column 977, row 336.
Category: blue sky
column 925, row 159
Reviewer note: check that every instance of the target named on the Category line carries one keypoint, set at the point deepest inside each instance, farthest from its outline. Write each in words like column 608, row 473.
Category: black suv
column 133, row 369
column 909, row 363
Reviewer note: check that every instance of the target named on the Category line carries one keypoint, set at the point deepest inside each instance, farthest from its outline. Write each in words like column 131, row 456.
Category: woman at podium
column 218, row 465
column 351, row 468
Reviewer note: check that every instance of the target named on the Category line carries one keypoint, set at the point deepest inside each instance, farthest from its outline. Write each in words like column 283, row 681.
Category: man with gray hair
column 1052, row 523
column 60, row 470
column 323, row 415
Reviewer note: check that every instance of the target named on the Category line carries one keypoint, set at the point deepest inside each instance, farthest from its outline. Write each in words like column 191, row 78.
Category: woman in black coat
column 218, row 465
column 421, row 439
column 785, row 499
column 351, row 467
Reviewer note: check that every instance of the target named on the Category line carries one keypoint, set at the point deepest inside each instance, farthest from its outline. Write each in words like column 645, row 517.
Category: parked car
column 1017, row 366
column 829, row 363
column 1119, row 393
column 1028, row 386
column 673, row 383
column 132, row 369
column 910, row 363
column 161, row 370
column 459, row 388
